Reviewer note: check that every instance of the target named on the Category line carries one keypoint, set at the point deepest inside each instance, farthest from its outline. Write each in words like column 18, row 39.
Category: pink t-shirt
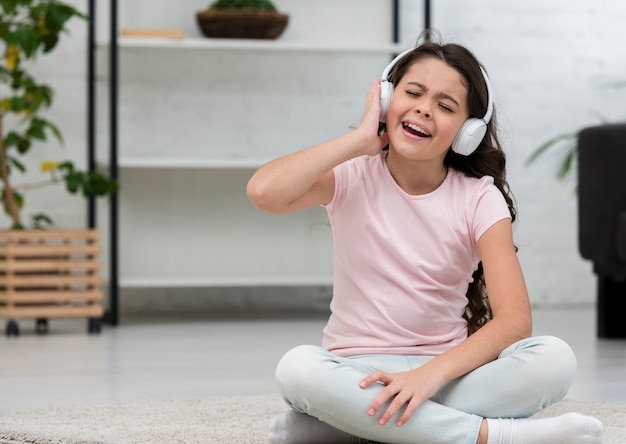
column 402, row 263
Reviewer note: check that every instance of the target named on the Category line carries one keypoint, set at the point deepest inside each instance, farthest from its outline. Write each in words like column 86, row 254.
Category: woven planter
column 50, row 274
column 241, row 24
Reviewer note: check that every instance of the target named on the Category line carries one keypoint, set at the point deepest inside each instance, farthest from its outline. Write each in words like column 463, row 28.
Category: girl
column 429, row 340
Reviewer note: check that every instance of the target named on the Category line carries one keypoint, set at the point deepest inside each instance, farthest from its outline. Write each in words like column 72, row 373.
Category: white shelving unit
column 174, row 163
column 197, row 116
column 206, row 232
column 255, row 45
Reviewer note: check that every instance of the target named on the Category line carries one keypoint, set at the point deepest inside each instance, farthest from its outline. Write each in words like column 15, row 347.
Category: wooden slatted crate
column 50, row 274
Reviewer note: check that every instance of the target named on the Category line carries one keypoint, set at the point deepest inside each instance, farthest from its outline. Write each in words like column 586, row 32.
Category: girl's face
column 428, row 107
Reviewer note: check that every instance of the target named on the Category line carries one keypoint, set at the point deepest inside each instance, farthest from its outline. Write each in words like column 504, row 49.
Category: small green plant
column 264, row 5
column 29, row 28
column 565, row 147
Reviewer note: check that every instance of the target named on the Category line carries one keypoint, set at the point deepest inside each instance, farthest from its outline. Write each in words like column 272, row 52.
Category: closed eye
column 443, row 106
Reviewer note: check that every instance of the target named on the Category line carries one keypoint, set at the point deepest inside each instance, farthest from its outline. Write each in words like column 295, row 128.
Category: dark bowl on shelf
column 241, row 24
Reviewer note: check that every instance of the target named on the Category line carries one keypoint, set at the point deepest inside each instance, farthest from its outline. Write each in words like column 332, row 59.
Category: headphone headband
column 489, row 112
column 385, row 75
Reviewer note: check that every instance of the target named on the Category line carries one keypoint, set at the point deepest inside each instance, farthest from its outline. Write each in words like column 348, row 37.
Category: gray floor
column 150, row 359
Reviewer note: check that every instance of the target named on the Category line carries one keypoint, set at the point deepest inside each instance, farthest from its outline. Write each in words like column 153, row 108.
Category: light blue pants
column 527, row 377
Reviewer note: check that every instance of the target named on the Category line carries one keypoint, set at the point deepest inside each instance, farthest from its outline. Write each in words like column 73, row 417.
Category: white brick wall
column 547, row 62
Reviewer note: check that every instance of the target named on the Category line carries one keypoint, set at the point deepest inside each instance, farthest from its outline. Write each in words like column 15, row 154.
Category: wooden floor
column 152, row 359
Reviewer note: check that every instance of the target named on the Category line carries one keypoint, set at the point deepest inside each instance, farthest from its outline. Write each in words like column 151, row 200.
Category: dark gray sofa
column 602, row 220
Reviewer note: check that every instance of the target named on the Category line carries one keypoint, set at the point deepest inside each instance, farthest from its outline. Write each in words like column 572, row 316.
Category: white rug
column 220, row 420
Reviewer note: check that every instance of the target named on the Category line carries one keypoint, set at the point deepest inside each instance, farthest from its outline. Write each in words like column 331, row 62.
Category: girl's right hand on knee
column 403, row 389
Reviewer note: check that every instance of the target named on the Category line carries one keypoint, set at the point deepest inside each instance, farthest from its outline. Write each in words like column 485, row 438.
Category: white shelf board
column 256, row 45
column 225, row 281
column 182, row 163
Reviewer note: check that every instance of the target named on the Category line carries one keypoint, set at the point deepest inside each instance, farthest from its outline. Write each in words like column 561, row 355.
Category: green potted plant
column 36, row 264
column 565, row 147
column 29, row 28
column 247, row 19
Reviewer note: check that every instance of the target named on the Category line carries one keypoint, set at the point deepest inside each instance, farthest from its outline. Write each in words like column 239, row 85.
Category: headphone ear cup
column 469, row 136
column 386, row 93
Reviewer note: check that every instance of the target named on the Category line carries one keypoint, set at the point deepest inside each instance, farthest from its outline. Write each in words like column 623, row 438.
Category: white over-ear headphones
column 472, row 131
column 386, row 87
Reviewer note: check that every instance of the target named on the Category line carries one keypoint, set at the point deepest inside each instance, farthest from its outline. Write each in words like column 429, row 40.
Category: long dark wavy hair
column 488, row 159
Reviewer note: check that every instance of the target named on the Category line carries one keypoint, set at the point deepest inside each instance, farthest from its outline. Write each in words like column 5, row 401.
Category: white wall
column 546, row 61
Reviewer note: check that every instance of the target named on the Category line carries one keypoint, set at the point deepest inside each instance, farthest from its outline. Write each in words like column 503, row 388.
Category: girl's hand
column 410, row 388
column 370, row 121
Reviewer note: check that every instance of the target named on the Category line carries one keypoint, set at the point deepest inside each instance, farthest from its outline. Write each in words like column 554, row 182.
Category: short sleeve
column 491, row 207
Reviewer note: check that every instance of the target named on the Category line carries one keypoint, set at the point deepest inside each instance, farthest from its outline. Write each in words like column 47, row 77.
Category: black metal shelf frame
column 112, row 313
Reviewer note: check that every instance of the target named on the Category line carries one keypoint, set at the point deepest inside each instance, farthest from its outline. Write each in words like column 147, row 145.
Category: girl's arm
column 511, row 322
column 305, row 178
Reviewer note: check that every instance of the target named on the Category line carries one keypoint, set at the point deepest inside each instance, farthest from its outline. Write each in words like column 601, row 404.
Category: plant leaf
column 549, row 144
column 36, row 129
column 17, row 164
column 41, row 221
column 569, row 160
